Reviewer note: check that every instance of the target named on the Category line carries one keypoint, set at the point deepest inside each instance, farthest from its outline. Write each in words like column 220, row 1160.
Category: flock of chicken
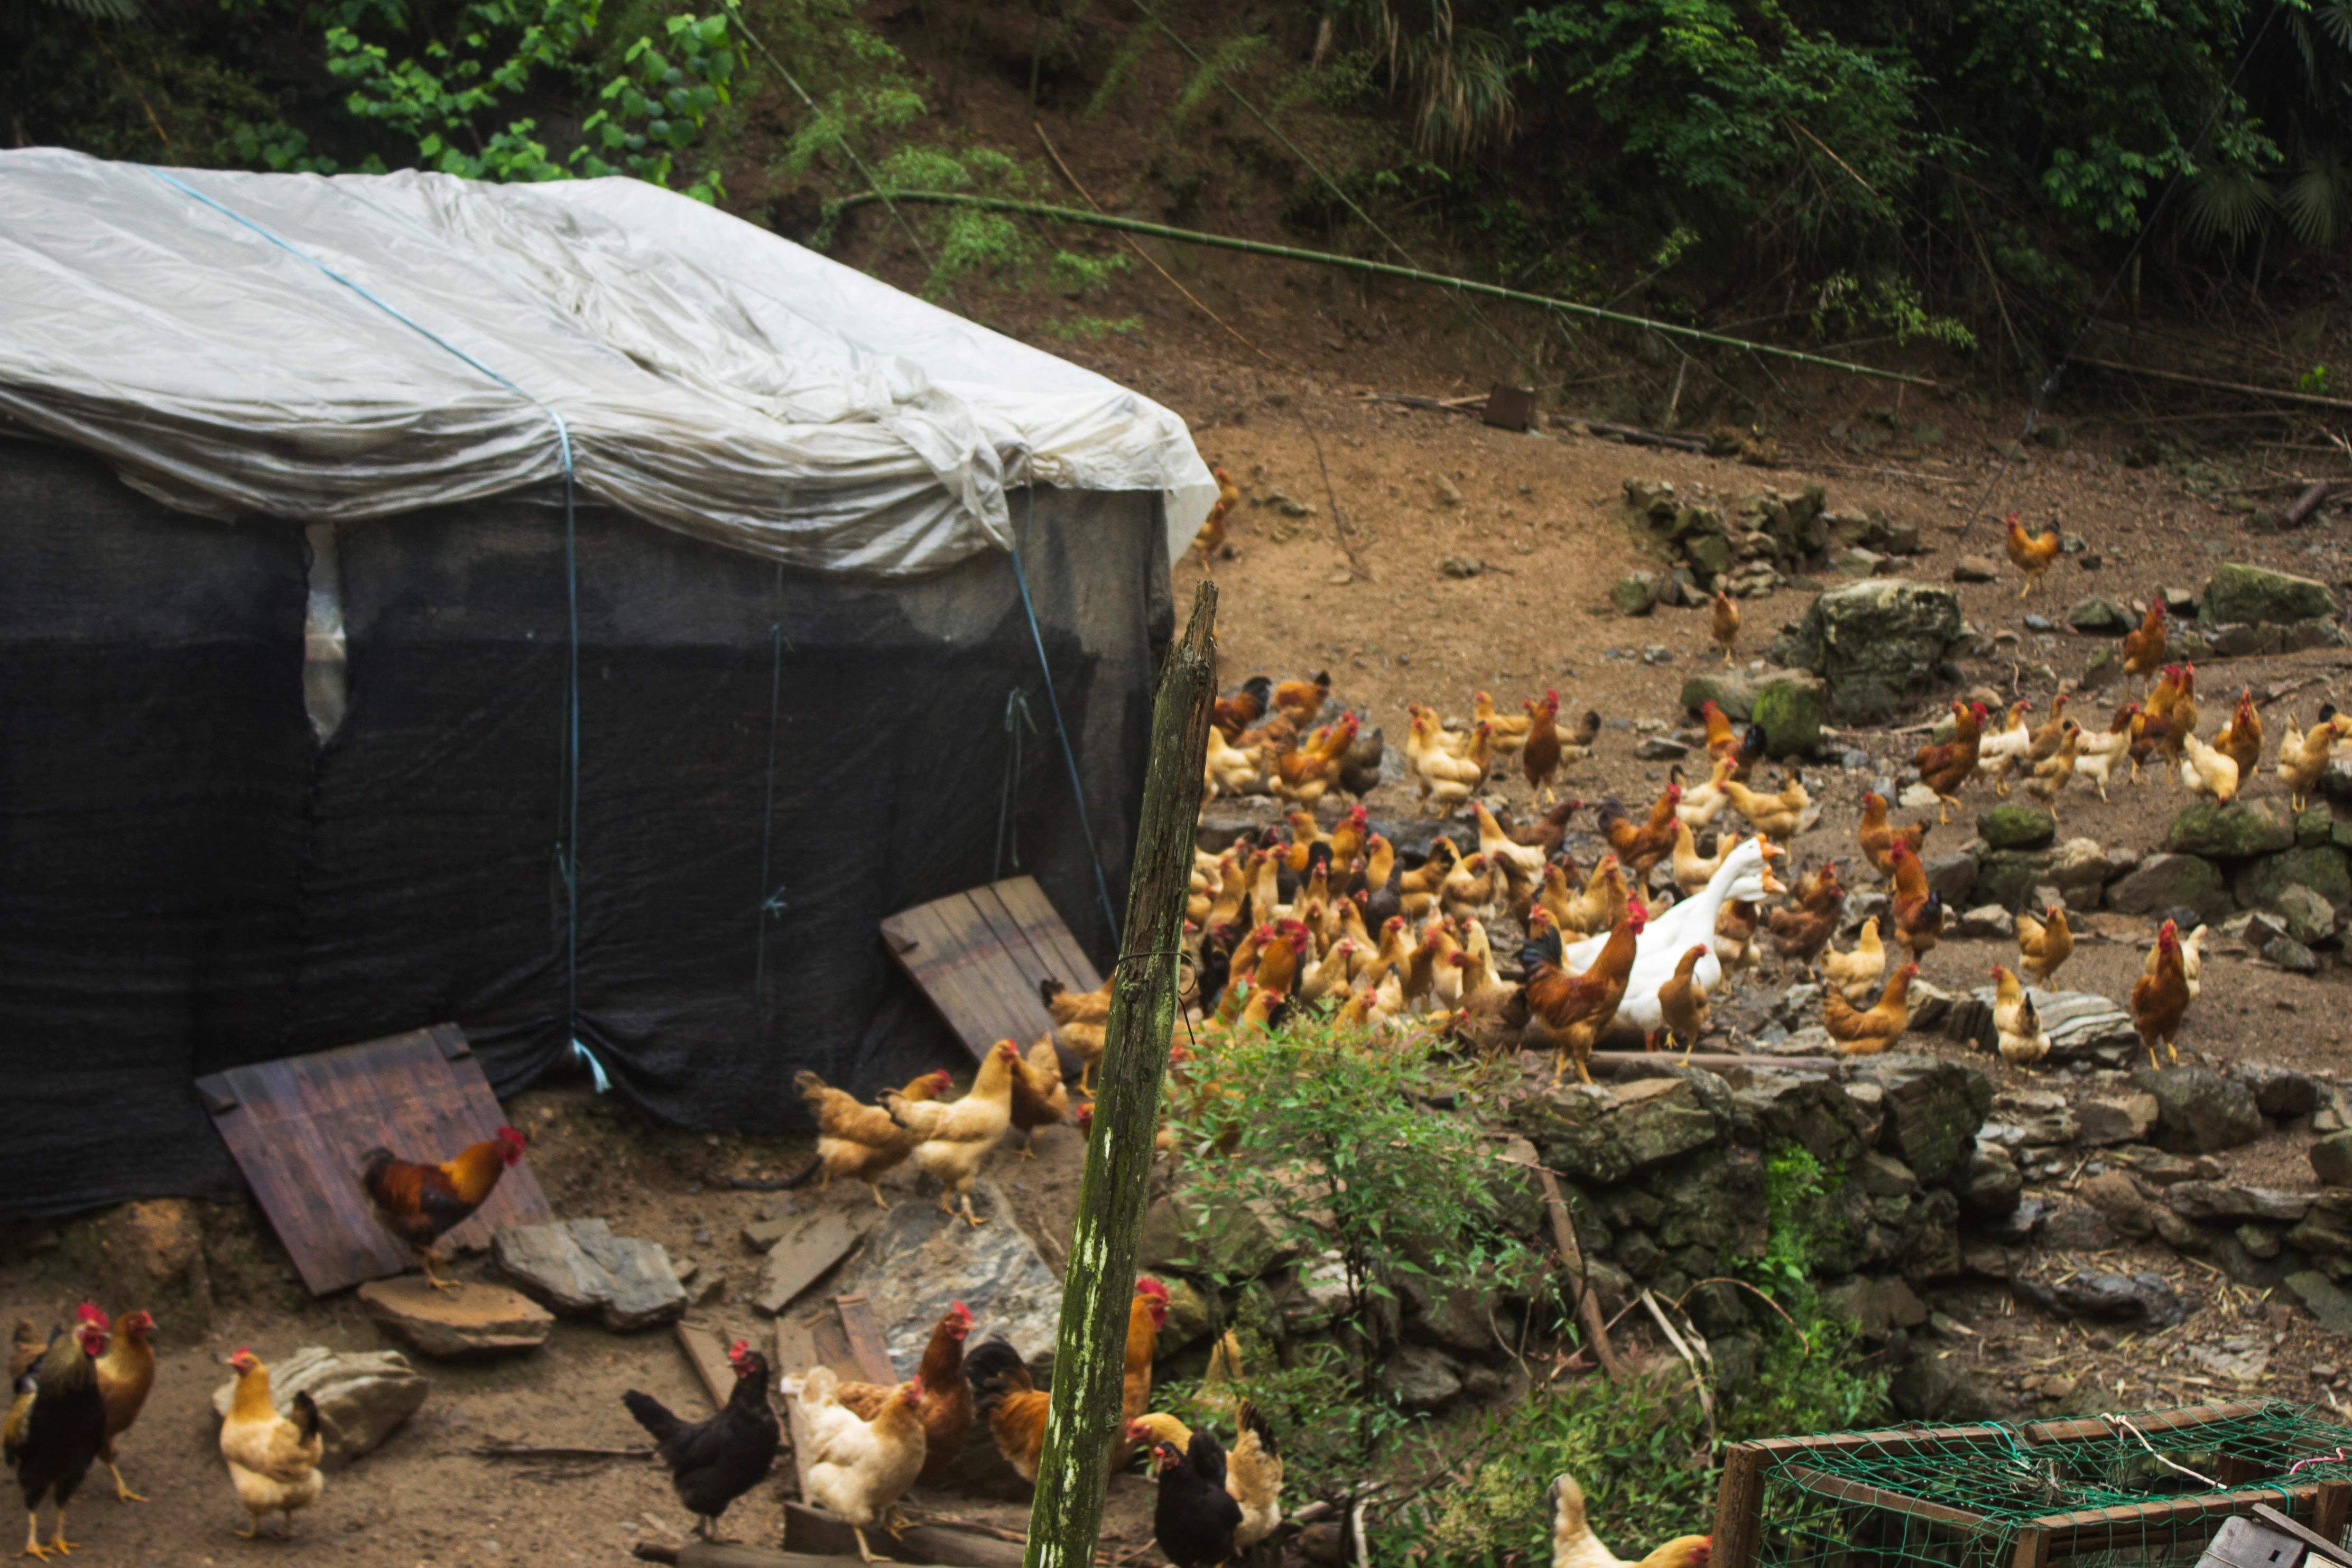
column 1337, row 918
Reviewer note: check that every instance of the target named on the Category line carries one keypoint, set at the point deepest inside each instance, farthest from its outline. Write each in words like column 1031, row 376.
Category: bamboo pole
column 1090, row 1351
column 1359, row 263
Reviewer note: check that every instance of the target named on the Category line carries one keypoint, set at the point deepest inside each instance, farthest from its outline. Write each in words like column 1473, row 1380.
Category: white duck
column 1746, row 873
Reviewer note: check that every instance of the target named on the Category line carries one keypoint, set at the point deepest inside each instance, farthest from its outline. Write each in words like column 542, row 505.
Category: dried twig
column 1339, row 521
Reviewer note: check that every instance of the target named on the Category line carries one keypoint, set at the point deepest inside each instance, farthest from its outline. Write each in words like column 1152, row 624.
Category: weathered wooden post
column 1089, row 1353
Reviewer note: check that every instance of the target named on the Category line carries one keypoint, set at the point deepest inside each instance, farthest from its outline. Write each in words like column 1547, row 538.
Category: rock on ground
column 2200, row 1111
column 363, row 1397
column 2250, row 595
column 1876, row 644
column 919, row 1259
column 578, row 1268
column 472, row 1321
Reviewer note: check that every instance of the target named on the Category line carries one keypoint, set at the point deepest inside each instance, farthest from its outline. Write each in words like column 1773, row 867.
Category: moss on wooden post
column 1089, row 1353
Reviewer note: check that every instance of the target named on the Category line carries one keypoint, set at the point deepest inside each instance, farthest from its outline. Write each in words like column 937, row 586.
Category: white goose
column 1746, row 873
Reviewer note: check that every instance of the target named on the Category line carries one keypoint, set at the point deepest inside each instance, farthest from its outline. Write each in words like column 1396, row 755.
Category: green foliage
column 1640, row 1447
column 1091, row 328
column 1229, row 59
column 1331, row 1138
column 451, row 96
column 1332, row 1435
column 1889, row 302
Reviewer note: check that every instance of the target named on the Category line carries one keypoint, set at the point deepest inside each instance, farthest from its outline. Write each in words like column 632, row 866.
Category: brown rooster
column 2144, row 649
column 1945, row 768
column 1641, row 847
column 1879, row 836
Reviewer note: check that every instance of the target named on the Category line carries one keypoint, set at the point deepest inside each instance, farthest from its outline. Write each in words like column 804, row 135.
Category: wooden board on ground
column 978, row 955
column 814, row 1529
column 729, row 1554
column 796, row 1354
column 801, row 1257
column 862, row 1332
column 298, row 1127
column 709, row 1359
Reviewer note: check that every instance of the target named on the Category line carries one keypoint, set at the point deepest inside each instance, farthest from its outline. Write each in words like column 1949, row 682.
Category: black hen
column 713, row 1462
column 1193, row 1518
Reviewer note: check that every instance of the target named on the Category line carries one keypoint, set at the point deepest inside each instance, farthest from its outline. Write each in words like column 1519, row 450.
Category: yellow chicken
column 958, row 1135
column 1776, row 816
column 273, row 1463
column 2208, row 772
column 2043, row 946
column 2026, row 1041
column 1857, row 974
column 1692, row 869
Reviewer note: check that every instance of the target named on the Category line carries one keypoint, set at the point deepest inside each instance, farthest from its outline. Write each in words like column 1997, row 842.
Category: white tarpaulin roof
column 713, row 377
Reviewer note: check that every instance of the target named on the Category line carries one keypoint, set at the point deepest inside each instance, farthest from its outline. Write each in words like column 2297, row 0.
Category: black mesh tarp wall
column 187, row 881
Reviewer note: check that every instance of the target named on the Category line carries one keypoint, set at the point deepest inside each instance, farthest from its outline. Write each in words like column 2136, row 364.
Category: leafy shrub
column 1332, row 1139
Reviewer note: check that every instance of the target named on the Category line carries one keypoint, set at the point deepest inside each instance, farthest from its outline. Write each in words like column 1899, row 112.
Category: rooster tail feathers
column 995, row 1369
column 306, row 1415
column 652, row 1415
column 802, row 1176
column 1250, row 1418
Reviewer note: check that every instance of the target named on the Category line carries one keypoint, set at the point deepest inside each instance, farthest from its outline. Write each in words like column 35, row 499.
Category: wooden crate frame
column 2325, row 1505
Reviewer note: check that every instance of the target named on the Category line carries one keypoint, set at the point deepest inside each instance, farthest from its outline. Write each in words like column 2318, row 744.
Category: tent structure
column 563, row 610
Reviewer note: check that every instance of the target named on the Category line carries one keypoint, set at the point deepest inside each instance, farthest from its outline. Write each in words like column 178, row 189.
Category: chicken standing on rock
column 2025, row 1042
column 420, row 1204
column 712, row 1462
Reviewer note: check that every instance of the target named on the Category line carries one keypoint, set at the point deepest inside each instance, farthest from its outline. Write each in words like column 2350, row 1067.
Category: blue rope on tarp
column 1102, row 884
column 567, row 858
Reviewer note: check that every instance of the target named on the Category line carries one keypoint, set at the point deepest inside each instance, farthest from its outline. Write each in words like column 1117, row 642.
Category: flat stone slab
column 2228, row 1200
column 468, row 1323
column 919, row 1259
column 2083, row 1025
column 2328, row 1302
column 363, row 1397
column 578, row 1268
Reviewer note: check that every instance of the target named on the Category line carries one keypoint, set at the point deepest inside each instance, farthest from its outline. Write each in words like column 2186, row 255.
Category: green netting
column 1966, row 1496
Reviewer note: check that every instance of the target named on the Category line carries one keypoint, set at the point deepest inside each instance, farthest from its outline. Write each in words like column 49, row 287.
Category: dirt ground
column 1369, row 602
